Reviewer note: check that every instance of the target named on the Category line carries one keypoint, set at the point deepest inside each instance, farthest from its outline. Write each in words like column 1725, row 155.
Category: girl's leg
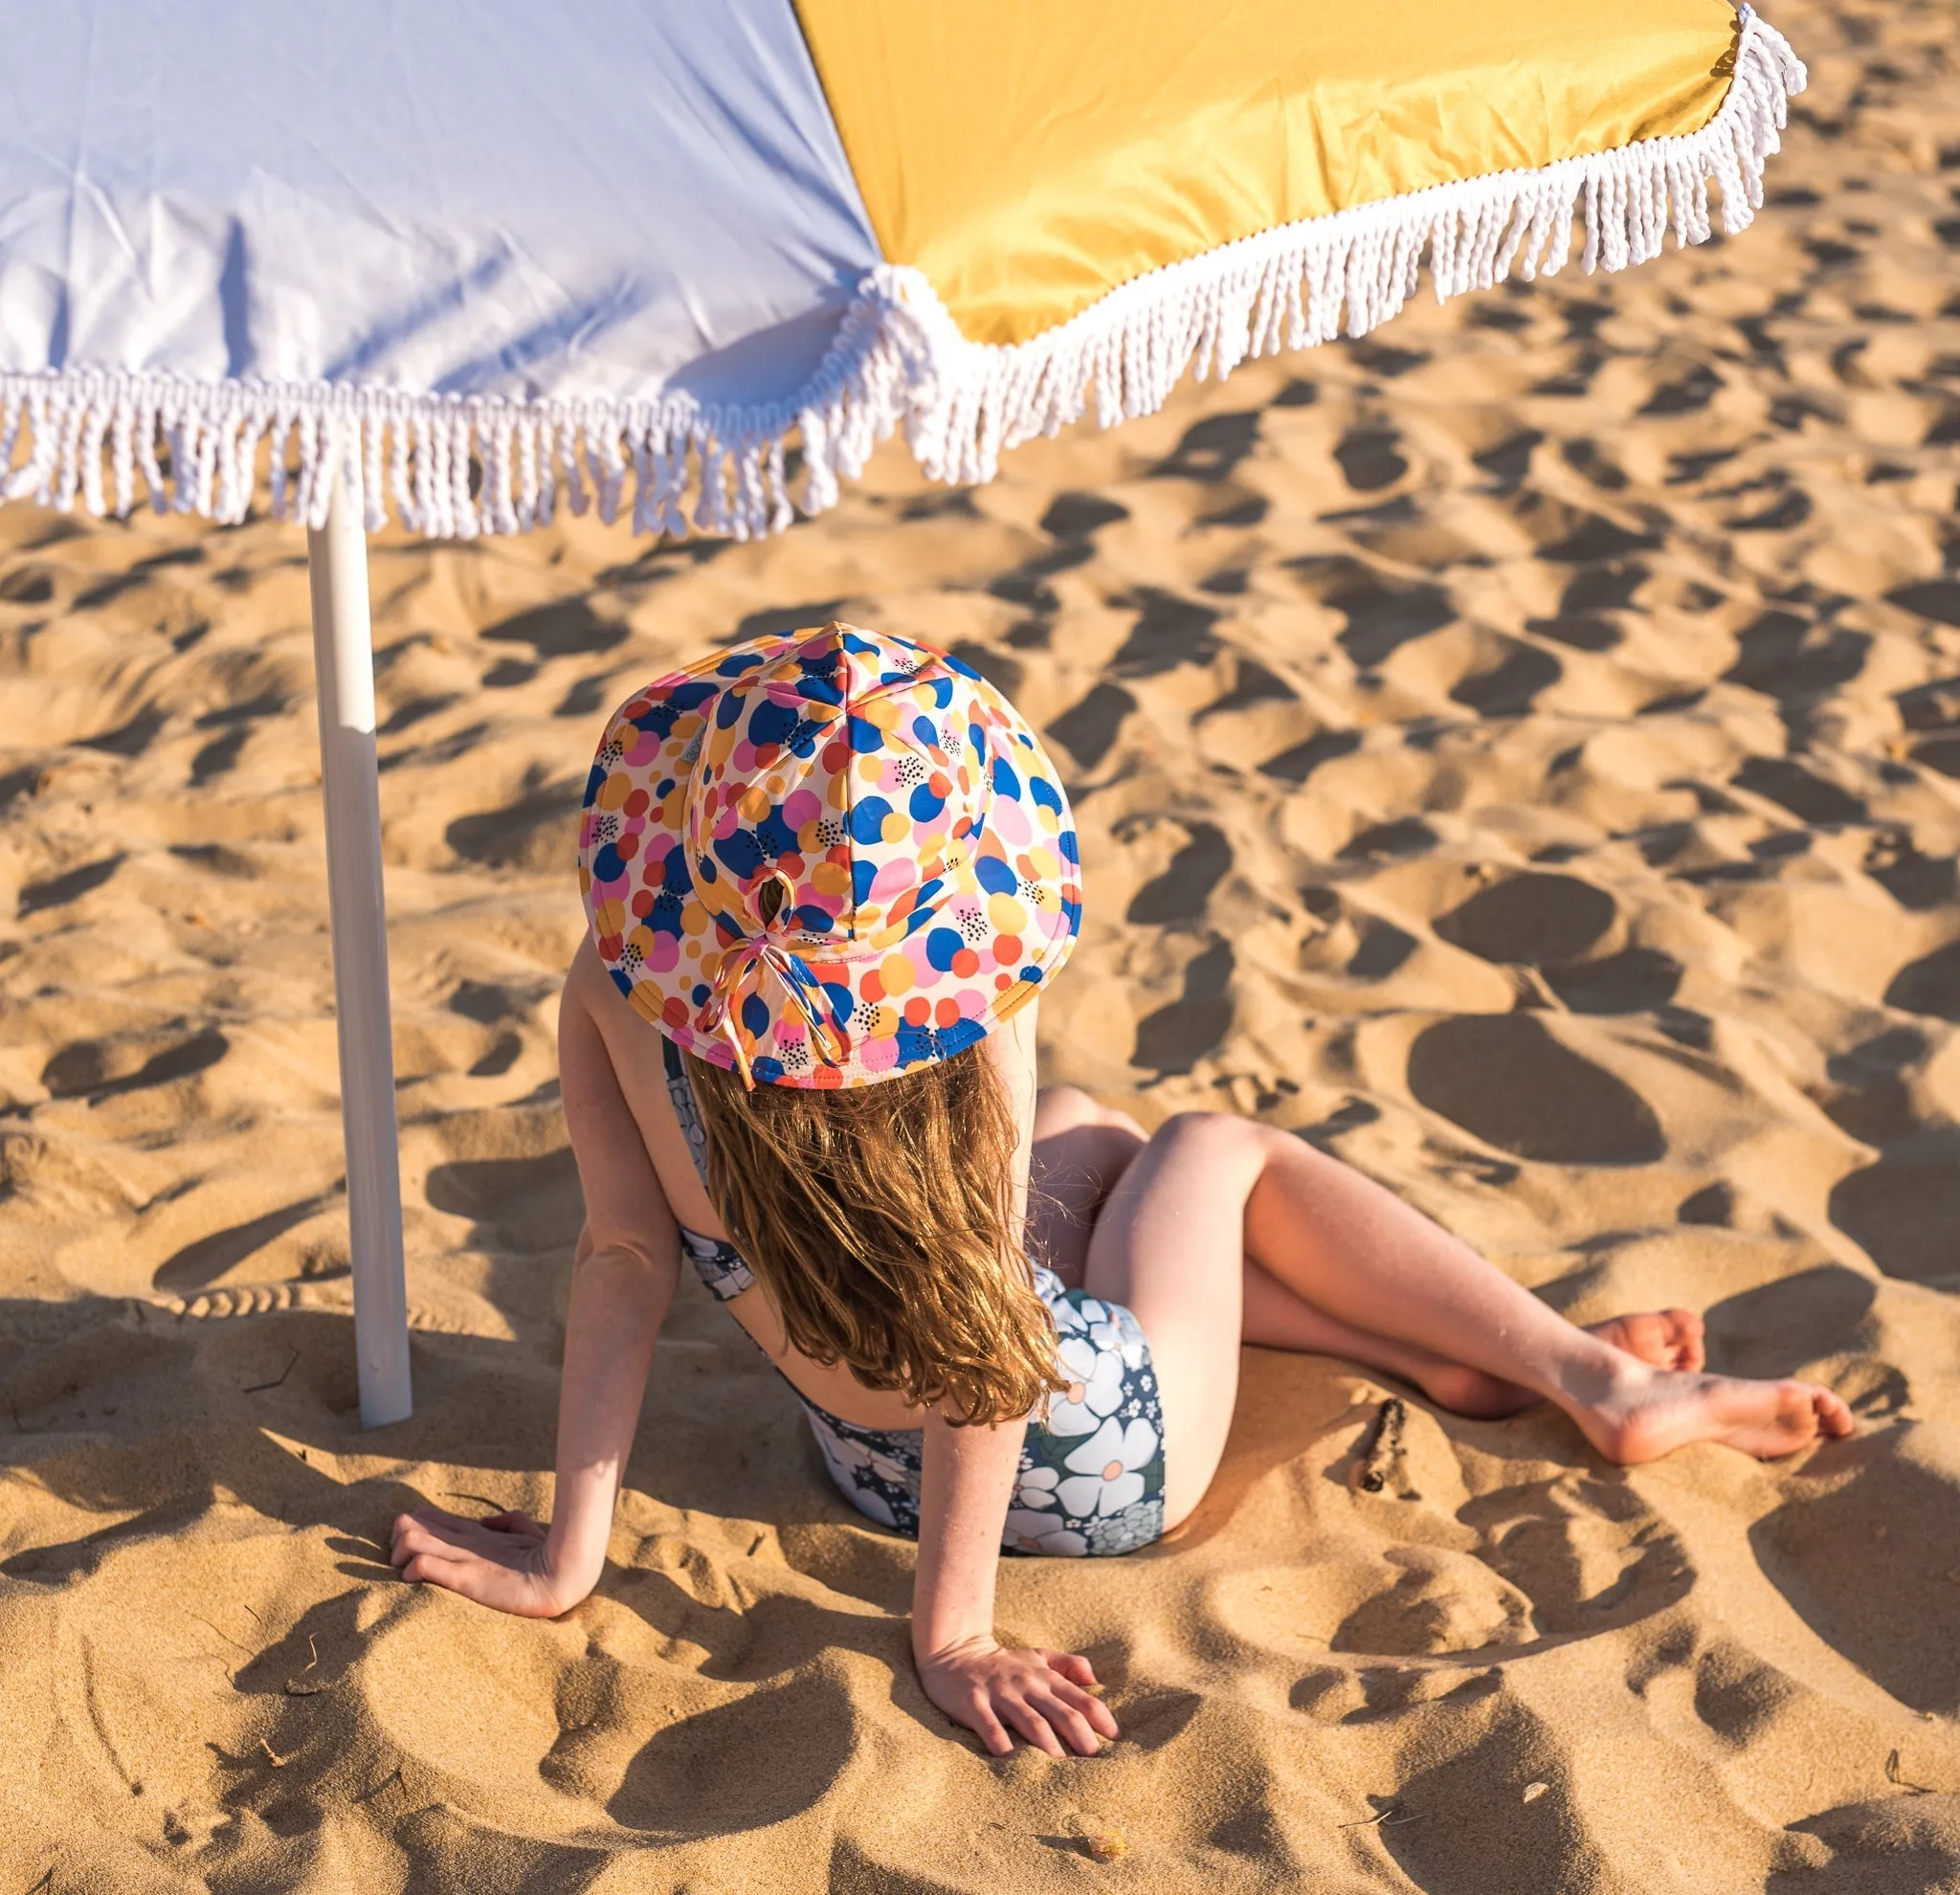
column 1277, row 1317
column 1209, row 1190
column 1081, row 1150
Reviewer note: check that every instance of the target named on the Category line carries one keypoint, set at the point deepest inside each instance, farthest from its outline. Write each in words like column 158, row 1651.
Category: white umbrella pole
column 344, row 660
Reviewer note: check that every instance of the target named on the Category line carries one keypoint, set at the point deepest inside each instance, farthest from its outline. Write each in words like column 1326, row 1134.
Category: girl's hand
column 1045, row 1696
column 502, row 1562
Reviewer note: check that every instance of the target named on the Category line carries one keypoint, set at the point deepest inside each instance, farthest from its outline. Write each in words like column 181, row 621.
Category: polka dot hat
column 826, row 857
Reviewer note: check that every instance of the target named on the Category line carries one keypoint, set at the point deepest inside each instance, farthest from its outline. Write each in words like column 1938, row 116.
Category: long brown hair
column 880, row 1220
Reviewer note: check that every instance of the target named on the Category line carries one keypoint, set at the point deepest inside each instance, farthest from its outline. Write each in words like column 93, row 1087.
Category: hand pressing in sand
column 504, row 1561
column 1046, row 1697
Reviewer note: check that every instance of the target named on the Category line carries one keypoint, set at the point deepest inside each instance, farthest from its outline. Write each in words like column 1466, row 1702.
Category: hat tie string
column 738, row 977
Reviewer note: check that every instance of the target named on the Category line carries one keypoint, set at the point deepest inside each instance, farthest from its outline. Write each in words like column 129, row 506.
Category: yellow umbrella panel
column 657, row 244
column 1116, row 190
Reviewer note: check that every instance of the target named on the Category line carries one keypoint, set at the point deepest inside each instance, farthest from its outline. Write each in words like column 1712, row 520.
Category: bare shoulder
column 589, row 987
column 584, row 969
column 592, row 1014
column 1011, row 1047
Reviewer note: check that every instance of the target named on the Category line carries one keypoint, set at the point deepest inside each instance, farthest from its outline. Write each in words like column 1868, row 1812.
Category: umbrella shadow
column 273, row 1439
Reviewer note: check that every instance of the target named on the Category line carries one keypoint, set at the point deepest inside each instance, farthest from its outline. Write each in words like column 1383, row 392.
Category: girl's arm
column 968, row 1478
column 623, row 1278
column 1045, row 1696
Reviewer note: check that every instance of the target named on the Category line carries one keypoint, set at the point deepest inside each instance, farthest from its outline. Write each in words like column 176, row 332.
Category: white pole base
column 351, row 785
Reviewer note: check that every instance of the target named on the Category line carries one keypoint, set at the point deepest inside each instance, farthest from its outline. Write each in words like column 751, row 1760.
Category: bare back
column 633, row 1049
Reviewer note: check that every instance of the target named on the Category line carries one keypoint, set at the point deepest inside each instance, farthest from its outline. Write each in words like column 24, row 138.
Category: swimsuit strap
column 718, row 1263
column 681, row 1092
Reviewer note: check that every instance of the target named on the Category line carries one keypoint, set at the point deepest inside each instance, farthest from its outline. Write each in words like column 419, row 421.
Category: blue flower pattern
column 1091, row 1478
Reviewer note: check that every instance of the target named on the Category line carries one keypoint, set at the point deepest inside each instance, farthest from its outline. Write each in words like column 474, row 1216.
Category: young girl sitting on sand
column 828, row 877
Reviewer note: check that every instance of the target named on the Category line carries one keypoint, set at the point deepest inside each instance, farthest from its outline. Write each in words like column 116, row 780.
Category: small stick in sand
column 1385, row 1452
column 298, row 1688
column 278, row 1762
column 1892, row 1776
column 1383, row 1818
column 225, row 1635
column 259, row 1388
column 393, row 1776
column 481, row 1499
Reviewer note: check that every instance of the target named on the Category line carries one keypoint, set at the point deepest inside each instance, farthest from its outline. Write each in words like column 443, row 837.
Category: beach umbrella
column 688, row 265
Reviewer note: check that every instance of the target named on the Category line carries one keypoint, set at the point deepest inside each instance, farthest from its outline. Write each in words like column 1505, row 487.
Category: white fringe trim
column 898, row 357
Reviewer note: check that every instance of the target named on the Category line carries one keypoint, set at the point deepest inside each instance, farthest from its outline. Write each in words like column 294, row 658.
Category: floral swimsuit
column 1091, row 1478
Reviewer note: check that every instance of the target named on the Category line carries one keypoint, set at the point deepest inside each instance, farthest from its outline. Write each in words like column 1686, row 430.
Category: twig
column 393, row 1776
column 293, row 1688
column 1893, row 1776
column 225, row 1635
column 259, row 1388
column 481, row 1499
column 278, row 1762
column 1386, row 1818
column 1384, row 1455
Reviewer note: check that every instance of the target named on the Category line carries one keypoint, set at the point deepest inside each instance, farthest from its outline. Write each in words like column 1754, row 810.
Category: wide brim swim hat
column 826, row 857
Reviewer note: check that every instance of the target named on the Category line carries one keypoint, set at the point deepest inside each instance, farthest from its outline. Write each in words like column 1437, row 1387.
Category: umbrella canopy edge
column 456, row 467
column 1347, row 272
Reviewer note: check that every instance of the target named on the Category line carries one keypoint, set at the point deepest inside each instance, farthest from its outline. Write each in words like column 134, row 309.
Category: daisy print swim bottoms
column 1091, row 1478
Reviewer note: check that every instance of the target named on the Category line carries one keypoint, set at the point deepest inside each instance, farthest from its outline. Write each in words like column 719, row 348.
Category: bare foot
column 1656, row 1414
column 1660, row 1338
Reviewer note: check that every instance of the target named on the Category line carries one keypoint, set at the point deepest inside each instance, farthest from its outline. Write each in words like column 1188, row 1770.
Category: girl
column 827, row 878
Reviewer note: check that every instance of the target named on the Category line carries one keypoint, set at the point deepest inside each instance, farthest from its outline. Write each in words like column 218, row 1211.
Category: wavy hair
column 879, row 1219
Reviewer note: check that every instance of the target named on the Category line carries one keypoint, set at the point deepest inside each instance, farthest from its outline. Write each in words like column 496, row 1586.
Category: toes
column 1690, row 1347
column 1660, row 1338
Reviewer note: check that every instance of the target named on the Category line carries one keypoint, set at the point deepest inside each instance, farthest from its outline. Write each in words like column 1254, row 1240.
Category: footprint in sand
column 1506, row 1081
column 1589, row 1554
column 1869, row 1563
column 538, row 831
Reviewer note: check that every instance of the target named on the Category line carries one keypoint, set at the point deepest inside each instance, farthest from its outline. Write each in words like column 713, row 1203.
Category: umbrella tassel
column 121, row 447
column 610, row 474
column 371, row 479
column 548, row 479
column 429, row 485
column 460, row 466
column 405, row 509
column 309, row 466
column 94, row 430
column 466, row 449
column 568, row 464
column 527, row 474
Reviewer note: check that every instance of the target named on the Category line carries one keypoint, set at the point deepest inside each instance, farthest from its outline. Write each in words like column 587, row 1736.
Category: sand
column 1521, row 753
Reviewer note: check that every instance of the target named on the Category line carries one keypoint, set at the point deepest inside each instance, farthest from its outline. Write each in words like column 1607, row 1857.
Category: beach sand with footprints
column 1520, row 752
